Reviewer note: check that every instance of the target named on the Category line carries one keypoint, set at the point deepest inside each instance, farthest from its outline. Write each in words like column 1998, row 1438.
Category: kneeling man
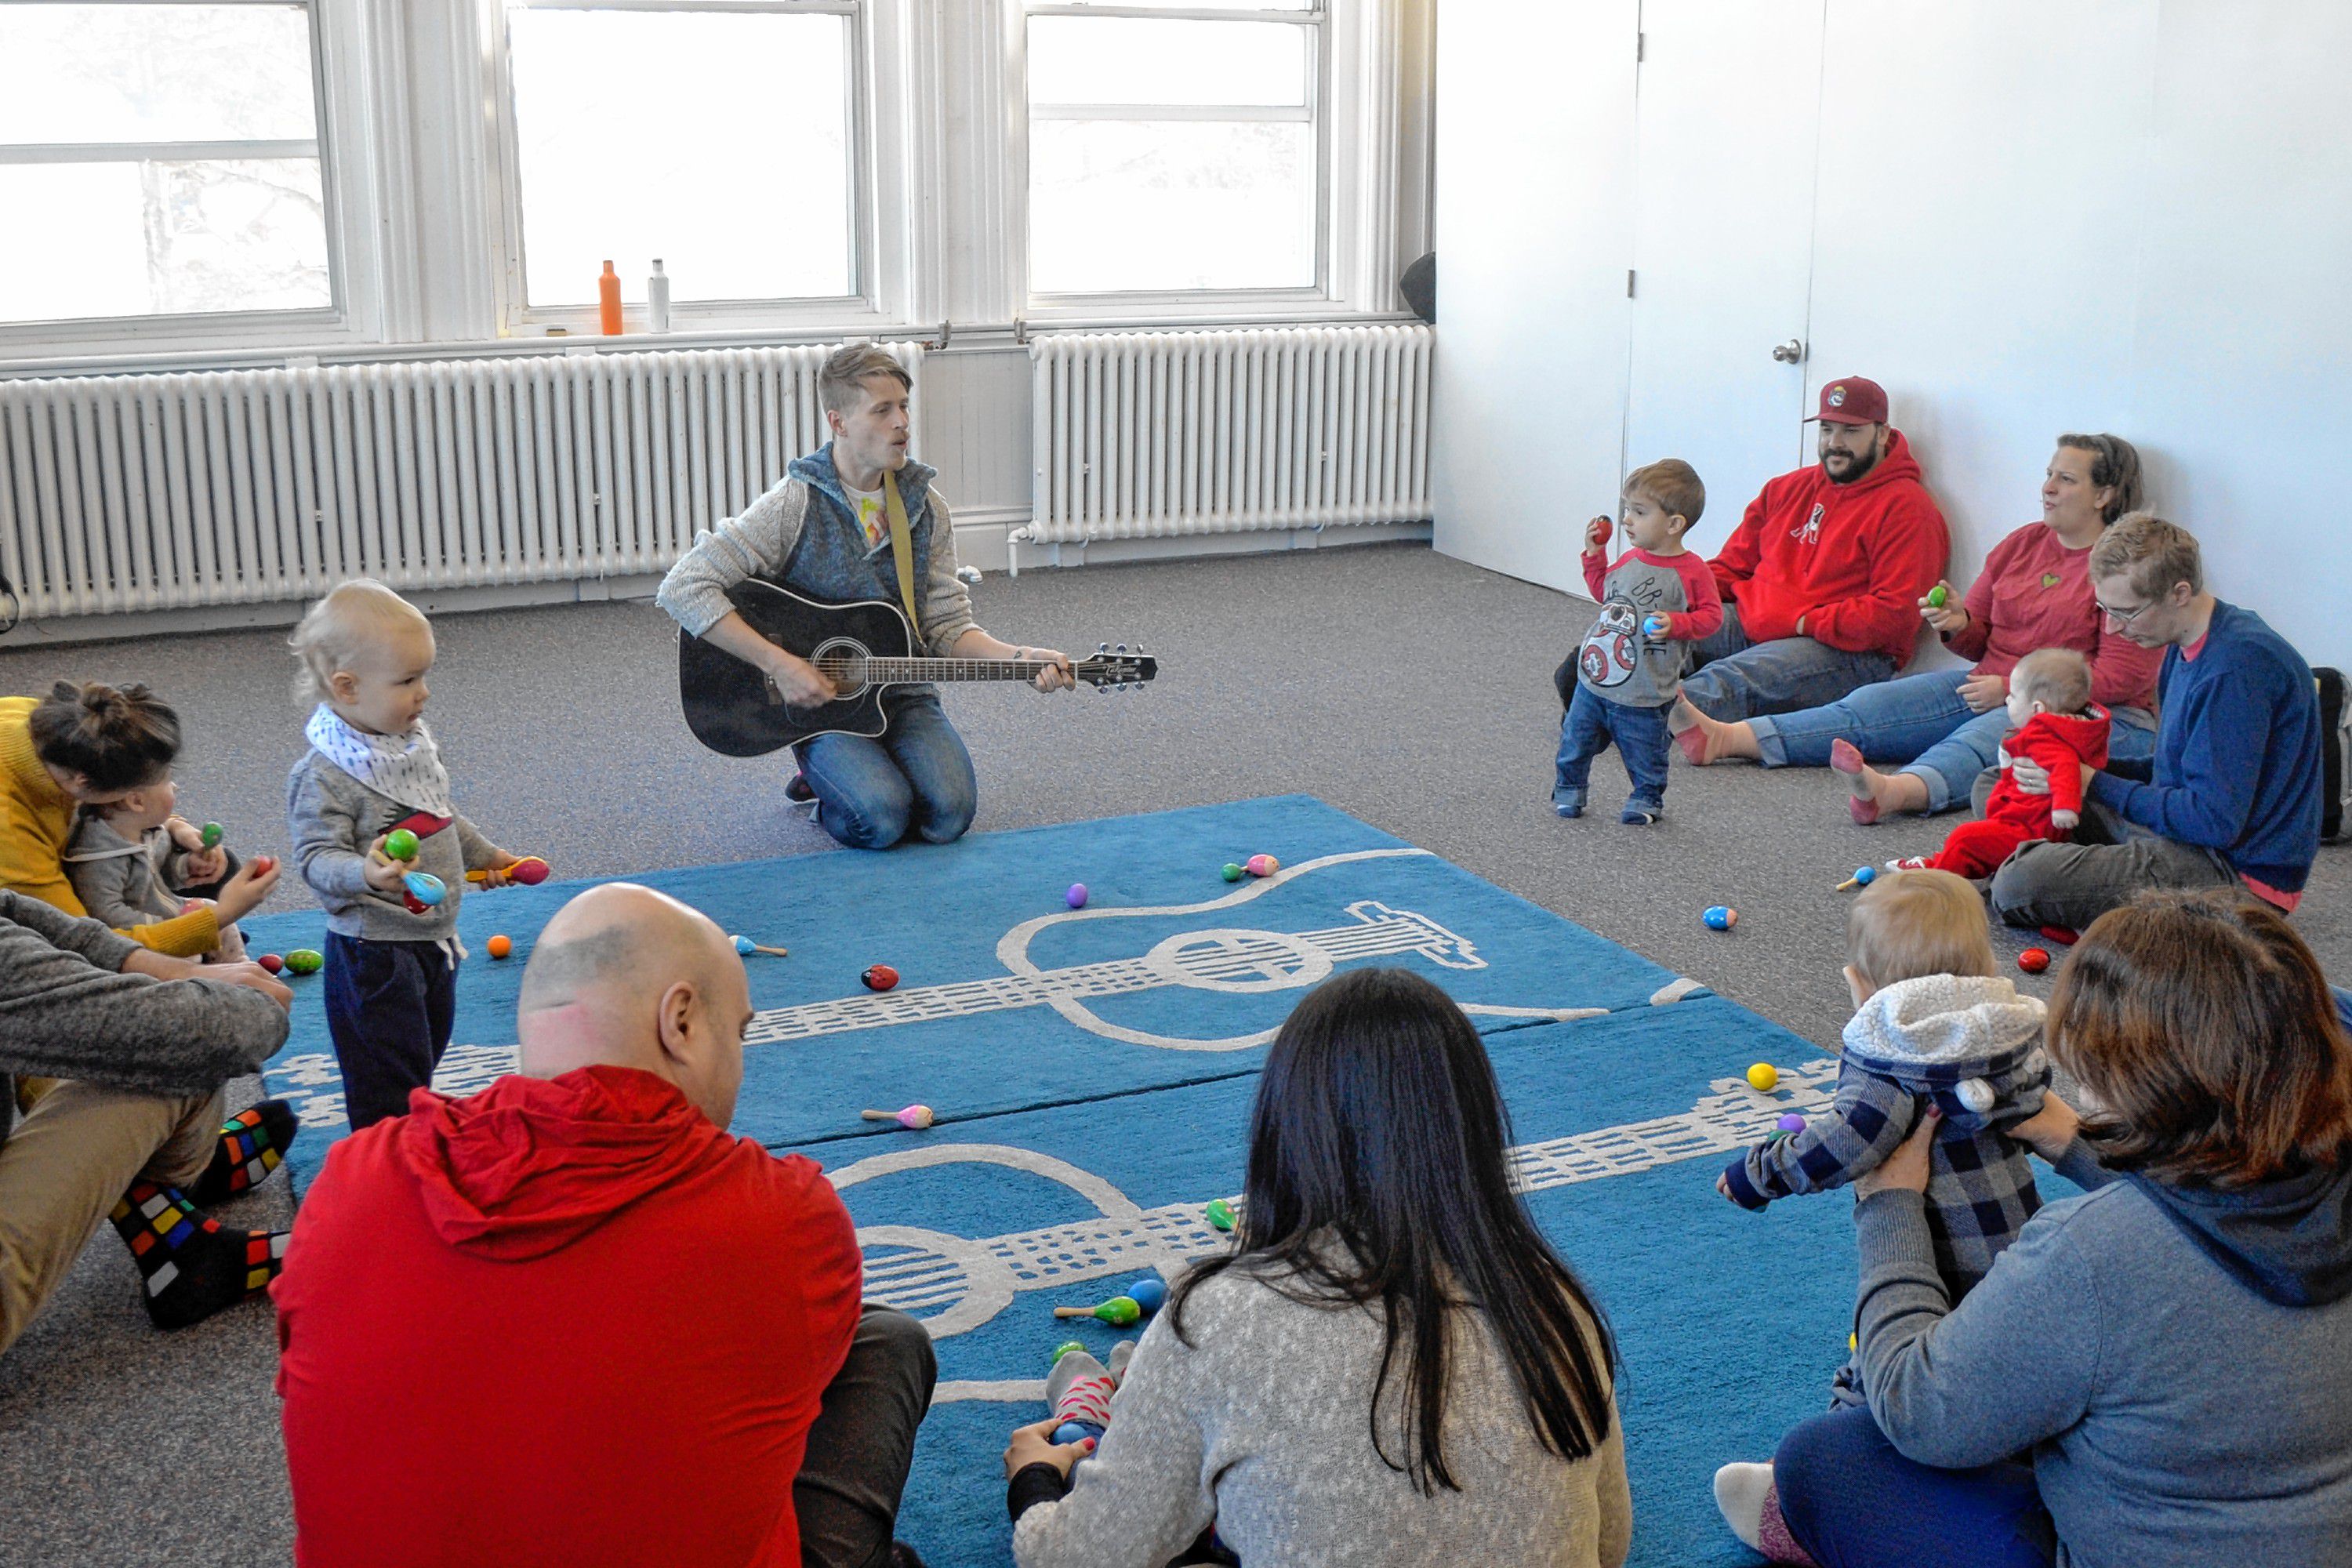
column 570, row 1321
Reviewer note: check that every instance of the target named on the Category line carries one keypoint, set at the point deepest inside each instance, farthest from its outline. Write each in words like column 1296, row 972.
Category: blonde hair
column 1674, row 485
column 342, row 626
column 1911, row 923
column 2057, row 678
column 842, row 381
column 2150, row 553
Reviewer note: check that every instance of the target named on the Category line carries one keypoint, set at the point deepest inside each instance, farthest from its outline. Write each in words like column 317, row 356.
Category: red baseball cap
column 1853, row 400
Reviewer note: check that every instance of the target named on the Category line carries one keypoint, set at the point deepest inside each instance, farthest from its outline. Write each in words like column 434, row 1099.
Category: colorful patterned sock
column 252, row 1142
column 1773, row 1539
column 192, row 1266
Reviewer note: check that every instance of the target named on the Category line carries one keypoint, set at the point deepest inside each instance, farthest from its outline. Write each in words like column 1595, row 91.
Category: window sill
column 993, row 337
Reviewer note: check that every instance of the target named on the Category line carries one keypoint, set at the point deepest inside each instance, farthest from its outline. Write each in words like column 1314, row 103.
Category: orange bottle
column 608, row 301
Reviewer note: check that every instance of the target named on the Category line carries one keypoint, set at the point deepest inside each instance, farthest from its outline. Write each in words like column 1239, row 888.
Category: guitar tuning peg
column 1122, row 647
column 1102, row 648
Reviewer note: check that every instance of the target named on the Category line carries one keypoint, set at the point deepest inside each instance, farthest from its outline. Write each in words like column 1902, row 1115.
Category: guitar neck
column 901, row 671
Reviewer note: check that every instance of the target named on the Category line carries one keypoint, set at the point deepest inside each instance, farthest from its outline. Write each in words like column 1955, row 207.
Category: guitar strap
column 902, row 552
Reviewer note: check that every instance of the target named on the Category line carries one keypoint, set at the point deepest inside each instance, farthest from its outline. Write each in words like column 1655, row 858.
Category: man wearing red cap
column 1822, row 579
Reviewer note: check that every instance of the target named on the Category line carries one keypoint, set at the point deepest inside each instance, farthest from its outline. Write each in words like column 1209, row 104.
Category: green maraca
column 1119, row 1312
column 1220, row 1214
column 305, row 960
column 400, row 844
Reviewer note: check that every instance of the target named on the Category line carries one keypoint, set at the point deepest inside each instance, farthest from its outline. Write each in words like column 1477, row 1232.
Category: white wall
column 2028, row 216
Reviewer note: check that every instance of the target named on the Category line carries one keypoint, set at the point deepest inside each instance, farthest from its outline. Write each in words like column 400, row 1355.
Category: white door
column 1533, row 199
column 1728, row 104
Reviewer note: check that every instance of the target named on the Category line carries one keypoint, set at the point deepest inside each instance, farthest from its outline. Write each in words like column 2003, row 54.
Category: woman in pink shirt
column 2034, row 591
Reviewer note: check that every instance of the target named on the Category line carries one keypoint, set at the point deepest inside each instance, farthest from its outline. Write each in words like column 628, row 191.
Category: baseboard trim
column 1257, row 542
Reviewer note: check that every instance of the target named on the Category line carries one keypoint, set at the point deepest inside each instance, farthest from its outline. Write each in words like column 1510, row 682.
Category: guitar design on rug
column 1231, row 959
column 955, row 1285
column 864, row 648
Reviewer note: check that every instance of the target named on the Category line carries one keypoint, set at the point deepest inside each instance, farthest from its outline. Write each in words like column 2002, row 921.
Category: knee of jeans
column 2015, row 889
column 946, row 821
column 868, row 822
column 904, row 1340
column 1818, row 1453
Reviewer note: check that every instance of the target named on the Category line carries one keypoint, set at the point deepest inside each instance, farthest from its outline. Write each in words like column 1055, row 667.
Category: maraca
column 212, row 835
column 400, row 844
column 425, row 887
column 531, row 871
column 746, row 946
column 916, row 1117
column 1119, row 1311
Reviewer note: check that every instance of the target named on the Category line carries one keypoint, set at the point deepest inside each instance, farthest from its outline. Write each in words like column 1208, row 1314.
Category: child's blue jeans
column 1592, row 722
column 390, row 1006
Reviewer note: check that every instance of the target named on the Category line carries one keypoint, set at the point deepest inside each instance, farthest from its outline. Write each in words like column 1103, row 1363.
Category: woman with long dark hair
column 1393, row 1365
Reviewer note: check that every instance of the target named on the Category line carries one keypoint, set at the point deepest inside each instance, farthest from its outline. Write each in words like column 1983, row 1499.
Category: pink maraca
column 916, row 1117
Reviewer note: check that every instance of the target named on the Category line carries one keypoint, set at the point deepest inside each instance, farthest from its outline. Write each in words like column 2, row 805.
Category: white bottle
column 658, row 300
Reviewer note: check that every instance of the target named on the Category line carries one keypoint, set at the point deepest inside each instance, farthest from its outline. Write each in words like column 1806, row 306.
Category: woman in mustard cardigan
column 85, row 745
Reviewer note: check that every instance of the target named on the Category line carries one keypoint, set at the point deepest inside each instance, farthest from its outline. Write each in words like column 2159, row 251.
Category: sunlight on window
column 139, row 221
column 722, row 148
column 1171, row 154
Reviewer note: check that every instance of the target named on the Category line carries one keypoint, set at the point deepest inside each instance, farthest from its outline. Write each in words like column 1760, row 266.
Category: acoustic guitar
column 864, row 648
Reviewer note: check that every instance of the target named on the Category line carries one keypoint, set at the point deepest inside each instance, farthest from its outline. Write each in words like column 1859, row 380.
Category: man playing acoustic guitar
column 857, row 520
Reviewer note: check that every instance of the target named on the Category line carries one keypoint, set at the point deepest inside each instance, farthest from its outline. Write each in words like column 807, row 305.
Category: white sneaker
column 1739, row 1492
column 1908, row 863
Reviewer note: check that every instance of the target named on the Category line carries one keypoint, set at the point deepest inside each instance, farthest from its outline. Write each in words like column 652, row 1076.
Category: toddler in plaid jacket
column 1933, row 1023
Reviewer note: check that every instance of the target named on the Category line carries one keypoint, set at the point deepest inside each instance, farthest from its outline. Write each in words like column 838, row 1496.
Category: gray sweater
column 124, row 882
column 66, row 1011
column 333, row 818
column 2177, row 1417
column 1260, row 1425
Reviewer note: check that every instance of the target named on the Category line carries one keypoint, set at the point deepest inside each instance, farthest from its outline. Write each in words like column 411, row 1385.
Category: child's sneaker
column 1567, row 802
column 1910, row 863
column 1642, row 811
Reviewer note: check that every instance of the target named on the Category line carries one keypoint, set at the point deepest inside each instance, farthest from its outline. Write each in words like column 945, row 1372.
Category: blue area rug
column 1092, row 1071
column 1008, row 999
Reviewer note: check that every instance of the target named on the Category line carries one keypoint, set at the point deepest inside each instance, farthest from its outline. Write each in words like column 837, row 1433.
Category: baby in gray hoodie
column 127, row 861
column 1932, row 1024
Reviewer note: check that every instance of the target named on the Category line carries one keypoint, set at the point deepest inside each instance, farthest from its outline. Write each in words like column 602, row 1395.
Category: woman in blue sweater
column 2158, row 1372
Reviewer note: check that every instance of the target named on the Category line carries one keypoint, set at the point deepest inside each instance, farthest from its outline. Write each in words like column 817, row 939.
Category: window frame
column 878, row 245
column 344, row 55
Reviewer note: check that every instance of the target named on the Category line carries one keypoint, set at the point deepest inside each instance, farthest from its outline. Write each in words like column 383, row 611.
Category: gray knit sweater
column 2177, row 1418
column 66, row 1011
column 333, row 818
column 1262, row 1426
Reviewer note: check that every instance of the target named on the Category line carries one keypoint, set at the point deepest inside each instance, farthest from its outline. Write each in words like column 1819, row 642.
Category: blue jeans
column 1590, row 724
column 1853, row 1502
column 917, row 776
column 1737, row 678
column 1920, row 717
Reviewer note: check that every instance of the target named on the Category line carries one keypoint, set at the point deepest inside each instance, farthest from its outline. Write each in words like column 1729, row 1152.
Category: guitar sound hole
column 843, row 662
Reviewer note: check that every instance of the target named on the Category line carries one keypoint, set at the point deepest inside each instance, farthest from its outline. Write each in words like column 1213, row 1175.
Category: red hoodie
column 564, row 1322
column 1851, row 560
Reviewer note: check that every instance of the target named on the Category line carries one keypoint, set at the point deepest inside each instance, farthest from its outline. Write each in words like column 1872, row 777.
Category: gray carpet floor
column 1407, row 689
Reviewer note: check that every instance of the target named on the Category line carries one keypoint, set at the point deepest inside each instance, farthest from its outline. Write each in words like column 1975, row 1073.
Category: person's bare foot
column 1871, row 794
column 1705, row 740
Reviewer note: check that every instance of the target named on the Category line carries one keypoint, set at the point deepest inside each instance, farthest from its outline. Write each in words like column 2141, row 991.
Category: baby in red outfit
column 2059, row 729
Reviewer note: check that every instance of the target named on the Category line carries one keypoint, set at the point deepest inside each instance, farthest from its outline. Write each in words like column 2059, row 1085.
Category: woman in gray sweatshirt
column 1392, row 1366
column 2158, row 1373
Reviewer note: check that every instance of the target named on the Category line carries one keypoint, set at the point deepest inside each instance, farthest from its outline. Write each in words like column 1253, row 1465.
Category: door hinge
column 1629, row 283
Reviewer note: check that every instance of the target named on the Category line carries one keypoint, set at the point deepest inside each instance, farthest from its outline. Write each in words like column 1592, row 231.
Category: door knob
column 1790, row 353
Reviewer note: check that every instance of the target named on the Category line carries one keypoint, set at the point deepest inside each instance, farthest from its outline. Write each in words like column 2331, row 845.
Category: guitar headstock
column 1112, row 668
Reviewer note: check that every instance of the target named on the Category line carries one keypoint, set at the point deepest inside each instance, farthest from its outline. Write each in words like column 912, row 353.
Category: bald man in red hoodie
column 1821, row 580
column 571, row 1321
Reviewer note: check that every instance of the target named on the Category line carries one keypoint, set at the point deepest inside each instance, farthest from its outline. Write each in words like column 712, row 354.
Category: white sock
column 1739, row 1492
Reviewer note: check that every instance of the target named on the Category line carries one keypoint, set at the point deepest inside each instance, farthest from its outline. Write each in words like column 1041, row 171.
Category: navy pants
column 1853, row 1502
column 1591, row 723
column 390, row 1006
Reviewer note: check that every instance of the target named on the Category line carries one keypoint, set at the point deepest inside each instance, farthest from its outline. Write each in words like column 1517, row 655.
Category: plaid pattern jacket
column 1969, row 1045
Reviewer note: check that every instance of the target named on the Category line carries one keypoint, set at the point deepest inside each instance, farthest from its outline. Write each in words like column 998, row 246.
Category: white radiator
column 150, row 492
column 1145, row 434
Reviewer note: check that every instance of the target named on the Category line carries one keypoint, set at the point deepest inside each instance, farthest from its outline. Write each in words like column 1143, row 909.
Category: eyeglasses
column 2125, row 617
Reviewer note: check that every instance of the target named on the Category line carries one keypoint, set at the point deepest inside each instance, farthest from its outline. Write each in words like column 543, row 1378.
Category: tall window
column 159, row 160
column 1174, row 144
column 715, row 134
